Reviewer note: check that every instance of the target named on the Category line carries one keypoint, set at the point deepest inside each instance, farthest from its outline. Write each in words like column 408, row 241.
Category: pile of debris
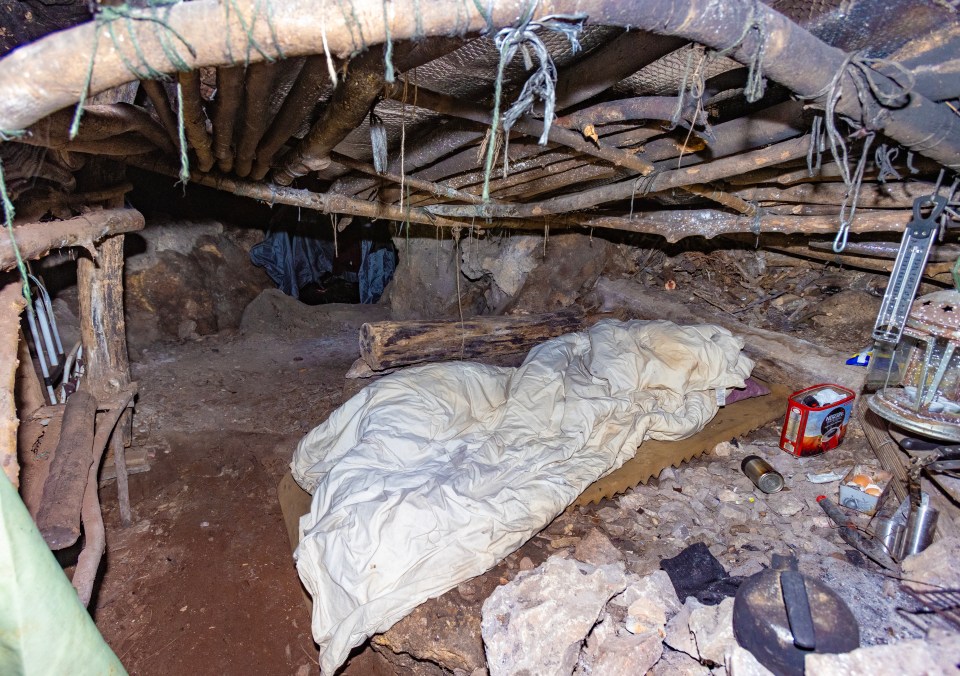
column 591, row 594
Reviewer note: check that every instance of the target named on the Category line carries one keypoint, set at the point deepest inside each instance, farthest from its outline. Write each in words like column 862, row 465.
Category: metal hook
column 840, row 241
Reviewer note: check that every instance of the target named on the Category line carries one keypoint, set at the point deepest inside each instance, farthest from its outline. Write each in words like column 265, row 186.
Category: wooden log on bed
column 387, row 345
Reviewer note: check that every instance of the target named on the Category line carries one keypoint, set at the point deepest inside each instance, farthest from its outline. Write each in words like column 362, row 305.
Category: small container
column 863, row 489
column 921, row 525
column 816, row 419
column 763, row 476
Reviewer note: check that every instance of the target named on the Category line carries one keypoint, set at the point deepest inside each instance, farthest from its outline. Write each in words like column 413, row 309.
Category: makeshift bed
column 431, row 475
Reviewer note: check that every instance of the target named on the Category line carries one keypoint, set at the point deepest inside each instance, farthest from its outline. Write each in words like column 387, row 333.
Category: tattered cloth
column 432, row 475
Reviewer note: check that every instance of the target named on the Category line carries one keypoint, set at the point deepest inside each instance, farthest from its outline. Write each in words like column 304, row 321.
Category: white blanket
column 432, row 475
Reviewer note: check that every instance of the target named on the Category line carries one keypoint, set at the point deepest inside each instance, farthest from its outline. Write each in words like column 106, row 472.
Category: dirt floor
column 203, row 581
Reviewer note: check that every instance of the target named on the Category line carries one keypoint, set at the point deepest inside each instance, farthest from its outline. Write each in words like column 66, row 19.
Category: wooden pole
column 37, row 239
column 103, row 335
column 11, row 304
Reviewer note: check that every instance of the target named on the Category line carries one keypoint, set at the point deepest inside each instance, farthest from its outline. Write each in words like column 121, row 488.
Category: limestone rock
column 906, row 658
column 679, row 636
column 187, row 272
column 741, row 662
column 786, row 505
column 608, row 652
column 538, row 621
column 675, row 663
column 596, row 549
column 712, row 629
column 651, row 601
column 936, row 565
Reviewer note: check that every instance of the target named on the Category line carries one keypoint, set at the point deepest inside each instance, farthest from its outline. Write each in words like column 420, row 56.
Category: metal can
column 762, row 474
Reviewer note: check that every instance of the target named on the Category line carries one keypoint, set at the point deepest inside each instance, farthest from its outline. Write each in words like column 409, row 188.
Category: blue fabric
column 292, row 260
column 376, row 271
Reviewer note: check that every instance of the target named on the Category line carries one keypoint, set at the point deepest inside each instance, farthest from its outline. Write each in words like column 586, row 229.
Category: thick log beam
column 708, row 223
column 780, row 358
column 388, row 345
column 161, row 105
column 256, row 102
column 898, row 195
column 103, row 335
column 58, row 516
column 229, row 96
column 296, row 109
column 628, row 159
column 323, row 202
column 100, row 123
column 195, row 119
column 678, row 178
column 37, row 239
column 672, row 225
column 349, row 105
column 31, row 89
column 12, row 303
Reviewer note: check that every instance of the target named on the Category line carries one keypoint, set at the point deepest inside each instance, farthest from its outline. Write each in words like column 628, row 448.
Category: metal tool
column 918, row 238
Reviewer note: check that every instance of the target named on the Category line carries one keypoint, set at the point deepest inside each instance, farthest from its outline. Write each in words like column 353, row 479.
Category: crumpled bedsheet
column 432, row 475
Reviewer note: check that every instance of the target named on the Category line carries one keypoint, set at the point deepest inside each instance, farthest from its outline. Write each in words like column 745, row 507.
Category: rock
column 936, row 566
column 526, row 563
column 650, row 601
column 906, row 658
column 786, row 505
column 747, row 568
column 609, row 653
column 712, row 629
column 678, row 632
column 187, row 330
column 741, row 662
column 609, row 514
column 726, row 495
column 724, row 449
column 538, row 621
column 675, row 663
column 633, row 502
column 187, row 272
column 596, row 549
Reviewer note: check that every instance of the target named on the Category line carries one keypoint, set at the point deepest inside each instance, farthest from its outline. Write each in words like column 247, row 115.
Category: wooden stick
column 85, row 574
column 161, row 104
column 195, row 119
column 256, row 101
column 437, row 189
column 12, row 303
column 225, row 110
column 36, row 239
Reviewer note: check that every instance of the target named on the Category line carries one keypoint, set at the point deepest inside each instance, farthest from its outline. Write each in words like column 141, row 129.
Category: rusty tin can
column 762, row 474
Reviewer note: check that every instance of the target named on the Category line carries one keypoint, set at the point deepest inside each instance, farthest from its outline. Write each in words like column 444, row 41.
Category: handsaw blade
column 654, row 456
